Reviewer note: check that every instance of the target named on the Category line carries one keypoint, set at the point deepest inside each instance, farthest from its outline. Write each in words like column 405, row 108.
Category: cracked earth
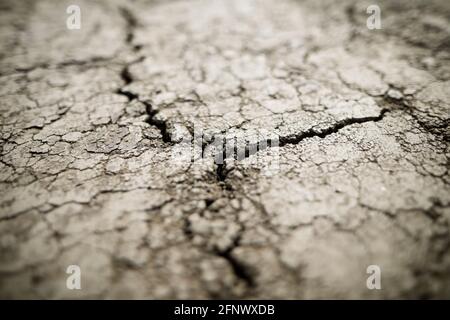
column 90, row 119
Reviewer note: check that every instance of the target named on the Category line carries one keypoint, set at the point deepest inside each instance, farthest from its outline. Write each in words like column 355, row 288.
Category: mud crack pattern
column 90, row 118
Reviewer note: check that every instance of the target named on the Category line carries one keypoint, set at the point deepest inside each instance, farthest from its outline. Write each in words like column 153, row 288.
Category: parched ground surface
column 90, row 120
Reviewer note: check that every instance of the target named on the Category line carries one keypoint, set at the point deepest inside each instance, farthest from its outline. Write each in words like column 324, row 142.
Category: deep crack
column 131, row 25
column 126, row 76
column 251, row 149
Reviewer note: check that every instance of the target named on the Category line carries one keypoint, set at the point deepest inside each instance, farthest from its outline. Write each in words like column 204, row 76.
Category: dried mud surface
column 90, row 120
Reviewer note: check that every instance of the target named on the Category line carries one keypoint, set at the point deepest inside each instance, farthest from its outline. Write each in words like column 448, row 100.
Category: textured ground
column 90, row 120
